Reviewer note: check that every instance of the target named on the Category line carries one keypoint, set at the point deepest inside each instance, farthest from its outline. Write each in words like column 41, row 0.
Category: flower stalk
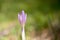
column 23, row 33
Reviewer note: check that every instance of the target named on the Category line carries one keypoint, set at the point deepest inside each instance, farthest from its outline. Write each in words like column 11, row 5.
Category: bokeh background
column 42, row 16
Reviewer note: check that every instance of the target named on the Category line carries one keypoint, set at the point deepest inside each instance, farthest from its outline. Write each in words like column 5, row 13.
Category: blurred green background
column 38, row 12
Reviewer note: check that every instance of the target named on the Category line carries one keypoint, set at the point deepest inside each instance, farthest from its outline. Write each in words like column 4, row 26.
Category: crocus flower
column 22, row 17
column 22, row 20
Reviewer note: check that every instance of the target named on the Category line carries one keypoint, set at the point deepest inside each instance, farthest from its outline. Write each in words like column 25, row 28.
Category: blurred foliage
column 38, row 12
column 38, row 9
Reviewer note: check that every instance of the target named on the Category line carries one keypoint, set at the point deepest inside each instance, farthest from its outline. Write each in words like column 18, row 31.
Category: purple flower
column 22, row 17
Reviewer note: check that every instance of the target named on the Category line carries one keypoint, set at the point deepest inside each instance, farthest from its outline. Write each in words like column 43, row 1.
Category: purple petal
column 22, row 17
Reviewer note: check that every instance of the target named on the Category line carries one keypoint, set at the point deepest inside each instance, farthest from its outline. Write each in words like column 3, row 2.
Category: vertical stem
column 23, row 33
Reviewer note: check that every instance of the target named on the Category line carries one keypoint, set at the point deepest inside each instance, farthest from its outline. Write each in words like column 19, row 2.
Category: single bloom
column 22, row 17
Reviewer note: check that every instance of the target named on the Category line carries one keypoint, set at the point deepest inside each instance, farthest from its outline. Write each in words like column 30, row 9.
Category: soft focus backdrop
column 40, row 13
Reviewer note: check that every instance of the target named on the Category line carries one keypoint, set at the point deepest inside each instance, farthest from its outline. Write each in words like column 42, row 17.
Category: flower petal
column 22, row 17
